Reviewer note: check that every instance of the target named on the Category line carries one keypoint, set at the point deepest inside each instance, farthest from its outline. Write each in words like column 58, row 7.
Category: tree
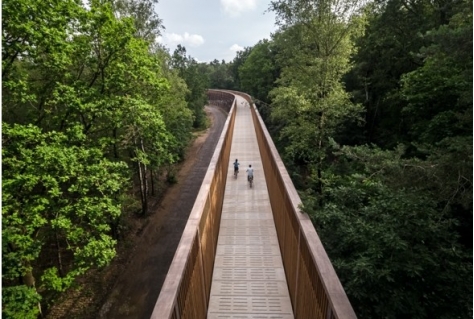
column 85, row 113
column 438, row 113
column 148, row 25
column 314, row 45
column 55, row 192
column 220, row 75
column 259, row 71
column 240, row 58
column 388, row 49
column 196, row 82
column 397, row 254
column 439, row 93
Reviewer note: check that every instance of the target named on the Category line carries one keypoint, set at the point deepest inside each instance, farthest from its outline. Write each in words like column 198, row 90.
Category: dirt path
column 137, row 288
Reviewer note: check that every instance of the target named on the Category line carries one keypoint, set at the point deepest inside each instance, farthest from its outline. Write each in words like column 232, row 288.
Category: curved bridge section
column 249, row 252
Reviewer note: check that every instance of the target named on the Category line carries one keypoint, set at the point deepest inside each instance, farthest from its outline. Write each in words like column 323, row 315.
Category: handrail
column 315, row 289
column 186, row 289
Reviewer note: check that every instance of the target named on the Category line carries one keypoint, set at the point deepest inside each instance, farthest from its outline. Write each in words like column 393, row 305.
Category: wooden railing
column 185, row 292
column 315, row 289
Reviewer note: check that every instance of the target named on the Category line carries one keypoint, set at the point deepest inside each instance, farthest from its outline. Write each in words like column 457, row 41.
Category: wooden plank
column 248, row 278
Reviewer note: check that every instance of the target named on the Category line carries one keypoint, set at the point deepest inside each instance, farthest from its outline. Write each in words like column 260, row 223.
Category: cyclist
column 250, row 175
column 236, row 167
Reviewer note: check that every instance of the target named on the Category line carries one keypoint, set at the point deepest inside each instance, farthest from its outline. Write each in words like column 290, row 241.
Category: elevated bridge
column 249, row 252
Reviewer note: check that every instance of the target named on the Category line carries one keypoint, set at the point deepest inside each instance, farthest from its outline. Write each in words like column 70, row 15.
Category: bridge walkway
column 248, row 279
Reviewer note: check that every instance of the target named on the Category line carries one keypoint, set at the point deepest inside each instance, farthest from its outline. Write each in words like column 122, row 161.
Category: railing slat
column 326, row 288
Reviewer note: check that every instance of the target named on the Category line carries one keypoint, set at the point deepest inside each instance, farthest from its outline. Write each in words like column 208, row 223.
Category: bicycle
column 250, row 179
column 236, row 168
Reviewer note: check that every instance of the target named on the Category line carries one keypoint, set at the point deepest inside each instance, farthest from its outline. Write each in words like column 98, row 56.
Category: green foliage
column 145, row 133
column 196, row 81
column 86, row 100
column 259, row 71
column 171, row 176
column 310, row 122
column 179, row 118
column 397, row 33
column 439, row 93
column 20, row 302
column 239, row 60
column 147, row 23
column 313, row 48
column 396, row 252
column 56, row 192
column 220, row 75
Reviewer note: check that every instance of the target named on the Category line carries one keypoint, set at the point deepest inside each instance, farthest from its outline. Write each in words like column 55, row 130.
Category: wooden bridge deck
column 248, row 278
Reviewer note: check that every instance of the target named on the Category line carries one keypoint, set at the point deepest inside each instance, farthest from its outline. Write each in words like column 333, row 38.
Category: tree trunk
column 145, row 180
column 142, row 171
column 320, row 158
column 29, row 281
column 58, row 248
column 142, row 190
column 152, row 183
column 115, row 143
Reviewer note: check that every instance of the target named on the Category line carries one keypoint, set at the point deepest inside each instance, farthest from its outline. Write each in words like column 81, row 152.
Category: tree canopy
column 92, row 111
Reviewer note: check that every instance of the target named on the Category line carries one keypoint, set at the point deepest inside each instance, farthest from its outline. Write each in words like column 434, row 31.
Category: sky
column 214, row 29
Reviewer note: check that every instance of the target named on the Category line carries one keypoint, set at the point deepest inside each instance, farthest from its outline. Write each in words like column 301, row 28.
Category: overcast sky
column 214, row 29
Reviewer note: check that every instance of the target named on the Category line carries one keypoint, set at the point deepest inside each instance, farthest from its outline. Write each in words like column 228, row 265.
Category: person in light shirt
column 250, row 173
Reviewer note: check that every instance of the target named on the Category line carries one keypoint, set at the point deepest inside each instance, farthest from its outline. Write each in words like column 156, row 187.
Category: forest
column 368, row 102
